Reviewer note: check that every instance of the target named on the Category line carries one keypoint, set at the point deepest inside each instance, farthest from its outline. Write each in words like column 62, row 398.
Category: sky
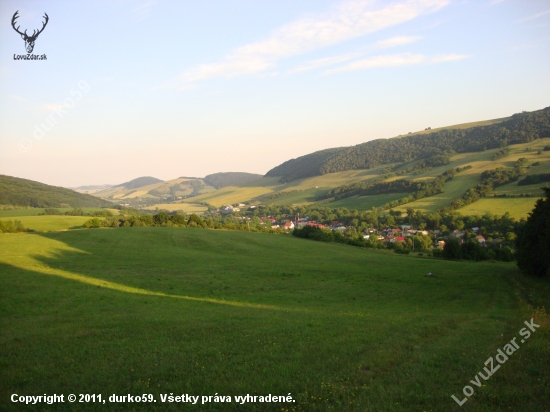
column 135, row 88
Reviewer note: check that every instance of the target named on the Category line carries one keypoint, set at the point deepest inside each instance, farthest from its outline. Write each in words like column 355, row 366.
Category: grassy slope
column 34, row 211
column 119, row 193
column 365, row 202
column 50, row 223
column 253, row 191
column 187, row 208
column 161, row 310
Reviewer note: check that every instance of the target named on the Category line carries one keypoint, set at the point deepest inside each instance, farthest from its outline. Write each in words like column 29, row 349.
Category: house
column 315, row 224
column 458, row 233
column 288, row 225
column 405, row 227
column 481, row 240
column 441, row 244
column 475, row 229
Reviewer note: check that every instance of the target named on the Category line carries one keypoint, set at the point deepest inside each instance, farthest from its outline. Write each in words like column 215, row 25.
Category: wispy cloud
column 397, row 41
column 350, row 20
column 52, row 107
column 15, row 97
column 535, row 16
column 327, row 61
column 142, row 11
column 405, row 59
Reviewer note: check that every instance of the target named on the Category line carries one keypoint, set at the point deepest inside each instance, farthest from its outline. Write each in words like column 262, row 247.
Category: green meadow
column 50, row 223
column 203, row 312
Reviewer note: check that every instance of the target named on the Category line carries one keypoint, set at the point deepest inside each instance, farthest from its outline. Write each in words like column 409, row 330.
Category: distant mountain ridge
column 91, row 187
column 519, row 128
column 140, row 182
column 219, row 180
column 15, row 191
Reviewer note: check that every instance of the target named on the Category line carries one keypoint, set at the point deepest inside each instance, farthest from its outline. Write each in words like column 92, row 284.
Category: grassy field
column 187, row 208
column 365, row 202
column 50, row 223
column 518, row 207
column 35, row 211
column 190, row 311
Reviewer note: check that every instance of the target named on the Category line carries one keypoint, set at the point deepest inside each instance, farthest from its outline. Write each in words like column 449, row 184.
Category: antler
column 15, row 16
column 43, row 26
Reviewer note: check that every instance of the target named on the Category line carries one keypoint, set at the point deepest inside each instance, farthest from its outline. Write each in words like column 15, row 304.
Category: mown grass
column 165, row 310
column 187, row 208
column 517, row 207
column 35, row 211
column 365, row 202
column 50, row 223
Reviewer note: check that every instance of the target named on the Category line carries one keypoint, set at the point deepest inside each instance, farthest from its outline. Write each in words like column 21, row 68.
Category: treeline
column 520, row 128
column 163, row 219
column 22, row 192
column 534, row 179
column 472, row 250
column 76, row 212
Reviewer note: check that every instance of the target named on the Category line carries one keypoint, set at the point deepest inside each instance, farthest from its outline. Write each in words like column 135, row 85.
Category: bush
column 92, row 223
column 9, row 226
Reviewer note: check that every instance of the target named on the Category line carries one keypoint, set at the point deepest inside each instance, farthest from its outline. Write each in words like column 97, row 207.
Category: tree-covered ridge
column 22, row 192
column 520, row 128
column 219, row 180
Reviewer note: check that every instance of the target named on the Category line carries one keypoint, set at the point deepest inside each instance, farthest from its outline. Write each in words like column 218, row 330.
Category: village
column 386, row 235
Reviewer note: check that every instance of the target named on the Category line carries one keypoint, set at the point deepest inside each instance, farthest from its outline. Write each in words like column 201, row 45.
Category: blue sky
column 189, row 88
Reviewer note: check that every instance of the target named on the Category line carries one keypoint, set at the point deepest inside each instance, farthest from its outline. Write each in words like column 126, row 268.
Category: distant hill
column 140, row 182
column 519, row 128
column 91, row 187
column 181, row 187
column 22, row 192
column 219, row 180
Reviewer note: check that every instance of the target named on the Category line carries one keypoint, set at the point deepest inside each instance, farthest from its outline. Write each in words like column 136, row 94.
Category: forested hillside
column 219, row 180
column 520, row 128
column 22, row 192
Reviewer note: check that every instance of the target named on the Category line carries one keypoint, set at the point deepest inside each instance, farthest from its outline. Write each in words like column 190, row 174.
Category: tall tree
column 533, row 240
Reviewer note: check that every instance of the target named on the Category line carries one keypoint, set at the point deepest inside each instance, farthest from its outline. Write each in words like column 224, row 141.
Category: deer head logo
column 29, row 40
